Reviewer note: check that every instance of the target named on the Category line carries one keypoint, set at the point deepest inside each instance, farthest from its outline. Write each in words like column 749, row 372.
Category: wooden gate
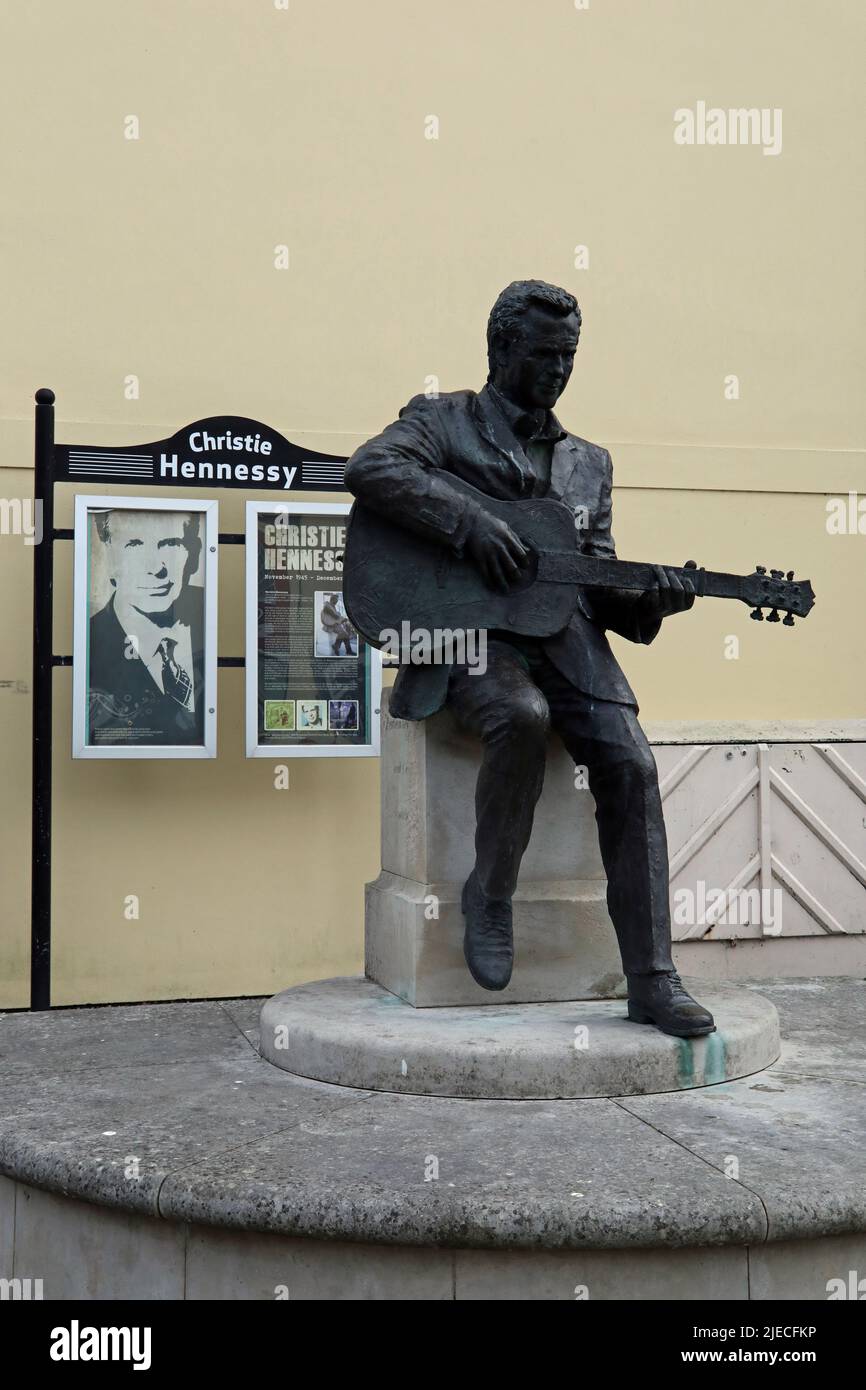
column 765, row 839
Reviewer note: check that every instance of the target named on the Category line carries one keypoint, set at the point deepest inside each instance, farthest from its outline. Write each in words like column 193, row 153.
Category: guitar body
column 392, row 576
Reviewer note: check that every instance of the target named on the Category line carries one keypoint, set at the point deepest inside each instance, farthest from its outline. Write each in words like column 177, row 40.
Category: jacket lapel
column 493, row 427
column 566, row 457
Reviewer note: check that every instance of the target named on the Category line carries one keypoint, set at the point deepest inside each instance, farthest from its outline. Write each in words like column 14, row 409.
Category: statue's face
column 533, row 370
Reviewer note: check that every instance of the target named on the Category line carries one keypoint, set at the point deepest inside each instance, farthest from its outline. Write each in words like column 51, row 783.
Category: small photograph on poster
column 144, row 665
column 302, row 653
column 342, row 714
column 279, row 714
column 335, row 635
column 311, row 714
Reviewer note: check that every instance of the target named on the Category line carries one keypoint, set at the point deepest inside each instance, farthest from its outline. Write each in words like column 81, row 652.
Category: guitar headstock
column 777, row 590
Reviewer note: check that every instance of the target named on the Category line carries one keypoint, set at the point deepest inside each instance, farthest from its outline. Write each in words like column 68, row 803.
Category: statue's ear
column 501, row 346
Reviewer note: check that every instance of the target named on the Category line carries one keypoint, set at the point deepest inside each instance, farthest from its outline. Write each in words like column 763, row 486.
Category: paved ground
column 167, row 1109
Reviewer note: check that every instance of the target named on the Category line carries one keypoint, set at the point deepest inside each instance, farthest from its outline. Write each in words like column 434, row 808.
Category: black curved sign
column 221, row 451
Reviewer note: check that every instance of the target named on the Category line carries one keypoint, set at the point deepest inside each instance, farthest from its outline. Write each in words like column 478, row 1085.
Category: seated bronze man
column 506, row 441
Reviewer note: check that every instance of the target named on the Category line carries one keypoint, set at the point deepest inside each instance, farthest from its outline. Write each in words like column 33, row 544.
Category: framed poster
column 145, row 631
column 313, row 684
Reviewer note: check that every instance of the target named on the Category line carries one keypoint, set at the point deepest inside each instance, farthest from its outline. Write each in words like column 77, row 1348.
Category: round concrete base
column 351, row 1032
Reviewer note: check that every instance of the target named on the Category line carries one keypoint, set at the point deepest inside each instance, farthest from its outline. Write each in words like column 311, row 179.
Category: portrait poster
column 144, row 655
column 313, row 684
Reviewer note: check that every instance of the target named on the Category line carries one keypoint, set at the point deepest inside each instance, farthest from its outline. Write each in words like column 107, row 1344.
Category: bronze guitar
column 393, row 576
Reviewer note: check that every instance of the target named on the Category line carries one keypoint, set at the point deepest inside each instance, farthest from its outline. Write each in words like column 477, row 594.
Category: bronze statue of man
column 506, row 441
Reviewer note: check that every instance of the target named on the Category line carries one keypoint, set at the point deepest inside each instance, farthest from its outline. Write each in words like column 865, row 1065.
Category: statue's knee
column 529, row 716
column 632, row 765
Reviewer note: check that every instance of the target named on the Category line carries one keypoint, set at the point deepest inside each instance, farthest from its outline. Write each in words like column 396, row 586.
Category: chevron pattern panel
column 765, row 839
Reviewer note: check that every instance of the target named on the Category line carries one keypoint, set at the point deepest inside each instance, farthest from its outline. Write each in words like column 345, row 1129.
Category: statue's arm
column 402, row 474
column 618, row 610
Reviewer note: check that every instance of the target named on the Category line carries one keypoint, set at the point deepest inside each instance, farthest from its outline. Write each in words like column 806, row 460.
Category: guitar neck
column 594, row 572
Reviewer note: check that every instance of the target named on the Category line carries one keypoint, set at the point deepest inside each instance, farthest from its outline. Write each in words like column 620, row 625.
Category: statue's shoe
column 661, row 999
column 488, row 943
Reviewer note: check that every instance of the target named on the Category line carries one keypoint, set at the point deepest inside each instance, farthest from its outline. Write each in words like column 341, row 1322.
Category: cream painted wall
column 261, row 126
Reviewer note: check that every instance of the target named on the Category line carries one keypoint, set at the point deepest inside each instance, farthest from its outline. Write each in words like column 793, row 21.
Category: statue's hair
column 102, row 521
column 516, row 299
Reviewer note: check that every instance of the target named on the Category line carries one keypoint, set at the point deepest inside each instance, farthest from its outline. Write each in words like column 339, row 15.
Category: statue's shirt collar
column 527, row 424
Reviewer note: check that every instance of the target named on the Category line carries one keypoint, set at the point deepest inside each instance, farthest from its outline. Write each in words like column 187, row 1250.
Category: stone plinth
column 351, row 1032
column 565, row 946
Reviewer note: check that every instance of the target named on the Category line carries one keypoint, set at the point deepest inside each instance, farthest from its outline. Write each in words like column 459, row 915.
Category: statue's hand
column 495, row 550
column 670, row 594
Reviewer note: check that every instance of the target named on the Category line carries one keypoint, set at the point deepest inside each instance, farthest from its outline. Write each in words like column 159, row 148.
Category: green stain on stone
column 686, row 1068
column 714, row 1063
column 713, row 1067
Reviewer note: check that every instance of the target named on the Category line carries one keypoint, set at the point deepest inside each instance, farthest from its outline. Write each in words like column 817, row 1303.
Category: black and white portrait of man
column 145, row 677
column 311, row 714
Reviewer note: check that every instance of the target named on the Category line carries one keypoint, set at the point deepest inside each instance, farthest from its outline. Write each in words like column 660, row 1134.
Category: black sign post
column 43, row 661
column 221, row 451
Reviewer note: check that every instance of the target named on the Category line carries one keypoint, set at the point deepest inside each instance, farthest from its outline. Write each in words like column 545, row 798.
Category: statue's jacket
column 403, row 473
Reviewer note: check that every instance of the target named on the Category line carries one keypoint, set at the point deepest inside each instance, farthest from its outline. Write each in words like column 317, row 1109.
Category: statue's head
column 532, row 336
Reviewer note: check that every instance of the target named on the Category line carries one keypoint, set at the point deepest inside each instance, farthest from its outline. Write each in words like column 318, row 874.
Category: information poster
column 313, row 684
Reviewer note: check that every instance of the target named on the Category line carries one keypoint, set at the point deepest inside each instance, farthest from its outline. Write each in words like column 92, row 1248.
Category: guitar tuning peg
column 757, row 615
column 760, row 569
column 774, row 616
column 789, row 621
column 790, row 575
